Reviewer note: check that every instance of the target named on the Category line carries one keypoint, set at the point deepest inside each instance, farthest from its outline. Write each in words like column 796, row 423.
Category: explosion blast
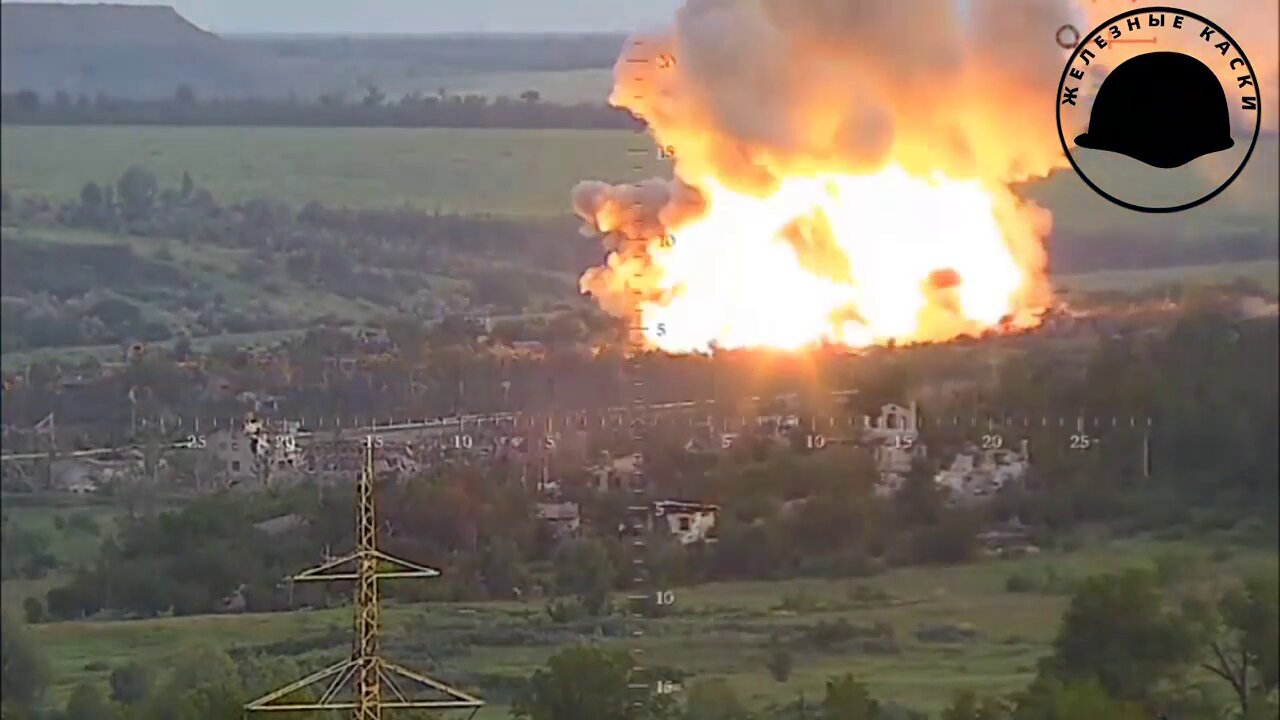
column 842, row 173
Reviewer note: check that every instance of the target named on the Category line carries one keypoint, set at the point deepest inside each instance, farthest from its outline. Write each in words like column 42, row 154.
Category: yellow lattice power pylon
column 358, row 683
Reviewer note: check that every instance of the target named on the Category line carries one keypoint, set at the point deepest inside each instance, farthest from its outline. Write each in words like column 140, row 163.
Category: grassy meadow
column 525, row 173
column 74, row 530
column 717, row 630
column 1263, row 273
column 467, row 171
column 213, row 268
column 519, row 173
column 500, row 172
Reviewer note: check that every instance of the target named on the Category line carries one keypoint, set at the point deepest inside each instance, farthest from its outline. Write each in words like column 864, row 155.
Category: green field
column 217, row 268
column 718, row 630
column 505, row 172
column 74, row 530
column 212, row 268
column 1248, row 205
column 1264, row 273
column 499, row 172
column 556, row 86
column 217, row 271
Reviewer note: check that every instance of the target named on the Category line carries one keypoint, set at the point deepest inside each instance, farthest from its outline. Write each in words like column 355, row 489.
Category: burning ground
column 841, row 173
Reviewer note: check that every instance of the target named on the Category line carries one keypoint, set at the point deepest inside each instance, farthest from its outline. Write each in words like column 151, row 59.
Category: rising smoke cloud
column 790, row 86
column 766, row 88
column 750, row 92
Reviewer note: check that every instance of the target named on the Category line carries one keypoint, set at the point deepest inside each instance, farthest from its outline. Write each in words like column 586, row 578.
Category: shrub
column 34, row 610
column 565, row 611
column 779, row 663
column 84, row 523
column 130, row 683
column 946, row 633
column 1020, row 583
column 867, row 595
column 1174, row 567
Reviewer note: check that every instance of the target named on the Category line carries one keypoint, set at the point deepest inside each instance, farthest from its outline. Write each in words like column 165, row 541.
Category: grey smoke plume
column 749, row 92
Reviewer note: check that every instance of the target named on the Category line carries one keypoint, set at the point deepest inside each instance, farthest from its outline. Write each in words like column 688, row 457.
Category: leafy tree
column 779, row 663
column 27, row 99
column 1049, row 699
column 77, row 599
column 373, row 96
column 24, row 671
column 130, row 683
column 88, row 703
column 953, row 539
column 500, row 567
column 33, row 609
column 848, row 699
column 24, row 552
column 1241, row 637
column 583, row 569
column 91, row 197
column 203, row 684
column 581, row 683
column 921, row 501
column 260, row 675
column 966, row 705
column 206, row 684
column 1118, row 633
column 137, row 189
column 713, row 699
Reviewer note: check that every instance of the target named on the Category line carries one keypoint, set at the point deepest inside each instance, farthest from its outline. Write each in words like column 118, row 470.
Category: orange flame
column 831, row 187
column 841, row 259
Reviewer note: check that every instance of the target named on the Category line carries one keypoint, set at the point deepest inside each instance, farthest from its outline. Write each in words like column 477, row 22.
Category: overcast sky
column 419, row 16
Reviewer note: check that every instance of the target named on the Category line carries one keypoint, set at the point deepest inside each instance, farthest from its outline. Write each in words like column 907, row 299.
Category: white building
column 233, row 455
column 687, row 522
column 894, row 437
column 256, row 449
column 896, row 425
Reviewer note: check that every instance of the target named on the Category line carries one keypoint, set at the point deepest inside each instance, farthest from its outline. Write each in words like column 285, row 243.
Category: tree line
column 1124, row 650
column 372, row 109
column 787, row 511
column 1131, row 645
column 496, row 265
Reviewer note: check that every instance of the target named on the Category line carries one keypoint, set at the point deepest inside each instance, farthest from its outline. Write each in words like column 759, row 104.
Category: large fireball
column 842, row 173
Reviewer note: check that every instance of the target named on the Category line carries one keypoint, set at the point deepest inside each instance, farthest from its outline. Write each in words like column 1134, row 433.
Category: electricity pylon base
column 365, row 683
column 397, row 682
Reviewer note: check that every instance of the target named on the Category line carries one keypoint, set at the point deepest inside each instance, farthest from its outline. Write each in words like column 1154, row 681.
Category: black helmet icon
column 1164, row 109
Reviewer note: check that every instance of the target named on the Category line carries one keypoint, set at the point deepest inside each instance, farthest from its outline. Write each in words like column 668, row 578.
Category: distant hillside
column 121, row 50
column 136, row 52
column 562, row 67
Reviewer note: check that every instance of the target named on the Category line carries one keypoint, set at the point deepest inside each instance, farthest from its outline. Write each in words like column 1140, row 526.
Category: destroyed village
column 676, row 360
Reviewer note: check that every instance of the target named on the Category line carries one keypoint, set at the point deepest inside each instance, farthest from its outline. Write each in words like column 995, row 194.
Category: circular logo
column 1158, row 109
